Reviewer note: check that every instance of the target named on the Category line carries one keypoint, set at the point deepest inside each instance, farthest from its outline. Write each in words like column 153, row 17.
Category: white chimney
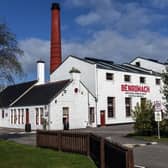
column 41, row 72
column 75, row 76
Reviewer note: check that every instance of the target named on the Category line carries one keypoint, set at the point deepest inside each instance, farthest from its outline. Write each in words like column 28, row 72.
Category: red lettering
column 123, row 88
column 135, row 88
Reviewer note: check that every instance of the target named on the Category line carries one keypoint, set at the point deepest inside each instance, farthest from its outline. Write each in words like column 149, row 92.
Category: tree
column 144, row 118
column 10, row 67
column 165, row 86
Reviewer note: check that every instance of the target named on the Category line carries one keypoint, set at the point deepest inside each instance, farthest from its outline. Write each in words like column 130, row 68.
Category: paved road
column 150, row 156
column 18, row 135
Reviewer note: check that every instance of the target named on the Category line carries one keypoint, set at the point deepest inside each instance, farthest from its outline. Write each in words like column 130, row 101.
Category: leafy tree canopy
column 165, row 85
column 10, row 67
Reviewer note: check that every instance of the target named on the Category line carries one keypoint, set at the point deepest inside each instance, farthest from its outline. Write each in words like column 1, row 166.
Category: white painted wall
column 78, row 104
column 157, row 67
column 113, row 89
column 6, row 121
column 87, row 72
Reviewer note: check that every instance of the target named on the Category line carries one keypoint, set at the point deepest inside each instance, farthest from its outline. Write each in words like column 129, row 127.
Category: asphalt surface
column 18, row 135
column 149, row 156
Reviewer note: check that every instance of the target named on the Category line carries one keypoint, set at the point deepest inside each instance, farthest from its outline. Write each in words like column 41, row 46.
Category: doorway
column 102, row 117
column 27, row 116
column 65, row 119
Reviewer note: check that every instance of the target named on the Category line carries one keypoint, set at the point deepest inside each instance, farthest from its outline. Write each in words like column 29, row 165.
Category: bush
column 144, row 119
column 164, row 127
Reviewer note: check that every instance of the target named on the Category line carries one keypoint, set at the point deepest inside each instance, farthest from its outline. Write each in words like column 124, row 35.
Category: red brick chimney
column 55, row 50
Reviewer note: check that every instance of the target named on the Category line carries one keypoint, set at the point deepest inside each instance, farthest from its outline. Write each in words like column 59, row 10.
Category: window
column 22, row 116
column 138, row 64
column 157, row 81
column 11, row 116
column 15, row 116
column 142, row 79
column 3, row 114
column 91, row 114
column 66, row 112
column 109, row 76
column 18, row 116
column 41, row 115
column 127, row 78
column 128, row 106
column 37, row 116
column 111, row 106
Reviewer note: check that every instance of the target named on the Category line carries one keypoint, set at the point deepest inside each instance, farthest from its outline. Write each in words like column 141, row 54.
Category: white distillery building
column 81, row 92
column 117, row 88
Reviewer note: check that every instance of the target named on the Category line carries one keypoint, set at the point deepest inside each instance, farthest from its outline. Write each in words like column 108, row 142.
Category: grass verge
column 149, row 138
column 13, row 155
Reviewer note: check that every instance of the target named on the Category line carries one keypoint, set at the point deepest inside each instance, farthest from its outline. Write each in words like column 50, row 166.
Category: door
column 65, row 118
column 102, row 117
column 27, row 116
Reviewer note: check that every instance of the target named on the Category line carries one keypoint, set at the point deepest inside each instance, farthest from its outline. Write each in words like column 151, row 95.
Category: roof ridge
column 55, row 82
column 22, row 83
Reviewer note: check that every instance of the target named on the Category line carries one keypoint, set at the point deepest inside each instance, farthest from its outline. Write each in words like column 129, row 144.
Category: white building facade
column 65, row 104
column 117, row 88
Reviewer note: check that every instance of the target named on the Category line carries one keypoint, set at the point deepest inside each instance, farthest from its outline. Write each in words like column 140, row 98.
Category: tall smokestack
column 55, row 50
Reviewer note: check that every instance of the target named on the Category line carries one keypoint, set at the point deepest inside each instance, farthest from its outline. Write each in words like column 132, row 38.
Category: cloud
column 124, row 16
column 105, row 44
column 87, row 3
column 118, row 31
column 34, row 50
column 159, row 3
column 111, row 45
column 90, row 18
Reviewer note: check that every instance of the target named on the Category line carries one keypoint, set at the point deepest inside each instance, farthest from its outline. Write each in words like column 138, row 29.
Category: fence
column 105, row 154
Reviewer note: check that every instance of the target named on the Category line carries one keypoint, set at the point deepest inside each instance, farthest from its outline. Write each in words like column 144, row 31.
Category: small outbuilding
column 65, row 104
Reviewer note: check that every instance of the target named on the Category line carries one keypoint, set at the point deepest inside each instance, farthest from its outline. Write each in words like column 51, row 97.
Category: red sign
column 135, row 88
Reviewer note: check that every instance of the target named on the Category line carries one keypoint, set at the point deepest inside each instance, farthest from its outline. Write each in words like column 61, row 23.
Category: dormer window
column 157, row 81
column 137, row 64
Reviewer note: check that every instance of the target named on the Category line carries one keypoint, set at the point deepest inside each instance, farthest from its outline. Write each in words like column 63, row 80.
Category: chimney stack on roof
column 40, row 72
column 55, row 50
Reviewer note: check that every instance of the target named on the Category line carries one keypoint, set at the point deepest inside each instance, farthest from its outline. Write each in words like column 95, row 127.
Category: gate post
column 88, row 144
column 102, row 154
column 60, row 140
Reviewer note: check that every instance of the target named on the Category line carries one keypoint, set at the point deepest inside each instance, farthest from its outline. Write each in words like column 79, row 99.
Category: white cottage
column 64, row 104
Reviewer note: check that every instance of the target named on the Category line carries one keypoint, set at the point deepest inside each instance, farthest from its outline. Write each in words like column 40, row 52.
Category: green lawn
column 149, row 138
column 14, row 155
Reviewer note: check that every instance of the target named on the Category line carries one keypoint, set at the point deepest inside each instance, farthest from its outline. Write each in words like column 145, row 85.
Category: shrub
column 144, row 118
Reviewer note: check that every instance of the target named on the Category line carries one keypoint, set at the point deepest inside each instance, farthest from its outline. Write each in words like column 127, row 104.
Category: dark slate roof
column 11, row 93
column 149, row 59
column 42, row 94
column 110, row 65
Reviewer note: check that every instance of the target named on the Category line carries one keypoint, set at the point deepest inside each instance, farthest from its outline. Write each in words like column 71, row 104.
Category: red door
column 102, row 118
column 27, row 116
